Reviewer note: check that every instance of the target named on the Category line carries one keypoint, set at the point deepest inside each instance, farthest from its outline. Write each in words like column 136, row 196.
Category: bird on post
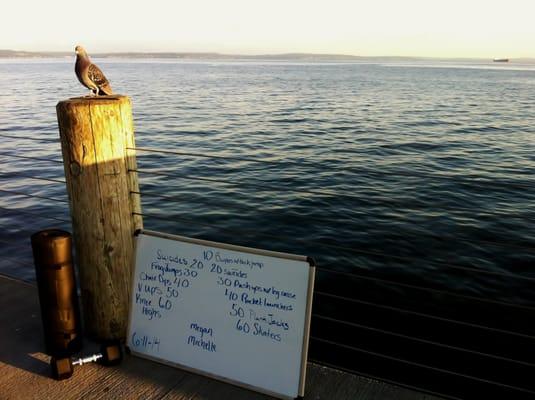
column 90, row 75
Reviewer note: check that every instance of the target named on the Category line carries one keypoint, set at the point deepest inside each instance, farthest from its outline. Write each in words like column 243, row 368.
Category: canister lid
column 52, row 247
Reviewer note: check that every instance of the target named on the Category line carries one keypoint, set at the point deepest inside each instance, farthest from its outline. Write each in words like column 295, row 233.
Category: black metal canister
column 52, row 253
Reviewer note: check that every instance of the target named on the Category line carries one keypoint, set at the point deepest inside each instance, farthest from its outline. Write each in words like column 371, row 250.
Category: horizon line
column 44, row 53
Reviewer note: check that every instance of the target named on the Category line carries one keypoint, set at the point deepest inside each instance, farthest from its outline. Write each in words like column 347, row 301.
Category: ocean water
column 413, row 182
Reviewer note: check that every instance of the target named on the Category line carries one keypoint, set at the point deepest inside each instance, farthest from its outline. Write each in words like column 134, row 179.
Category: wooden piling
column 97, row 138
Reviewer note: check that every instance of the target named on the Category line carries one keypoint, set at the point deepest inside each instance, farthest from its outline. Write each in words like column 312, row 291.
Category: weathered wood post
column 97, row 138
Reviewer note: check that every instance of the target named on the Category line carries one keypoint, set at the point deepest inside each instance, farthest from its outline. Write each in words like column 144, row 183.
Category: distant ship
column 501, row 60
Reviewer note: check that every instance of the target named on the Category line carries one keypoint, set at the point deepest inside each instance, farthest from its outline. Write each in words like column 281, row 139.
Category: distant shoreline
column 309, row 57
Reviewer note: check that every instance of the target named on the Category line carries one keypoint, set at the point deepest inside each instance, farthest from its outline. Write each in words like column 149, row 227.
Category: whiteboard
column 237, row 314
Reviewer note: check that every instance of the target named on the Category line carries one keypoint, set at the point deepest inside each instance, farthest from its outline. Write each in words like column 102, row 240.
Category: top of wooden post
column 112, row 99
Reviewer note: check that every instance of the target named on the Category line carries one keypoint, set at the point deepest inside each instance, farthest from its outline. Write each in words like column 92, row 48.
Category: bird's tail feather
column 105, row 89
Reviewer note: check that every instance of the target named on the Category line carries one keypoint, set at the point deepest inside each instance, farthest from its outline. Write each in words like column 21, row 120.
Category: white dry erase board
column 233, row 313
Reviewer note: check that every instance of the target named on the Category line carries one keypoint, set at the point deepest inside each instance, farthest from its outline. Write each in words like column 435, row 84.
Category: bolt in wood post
column 97, row 136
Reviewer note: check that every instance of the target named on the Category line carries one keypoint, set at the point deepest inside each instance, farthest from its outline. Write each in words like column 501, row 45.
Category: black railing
column 446, row 377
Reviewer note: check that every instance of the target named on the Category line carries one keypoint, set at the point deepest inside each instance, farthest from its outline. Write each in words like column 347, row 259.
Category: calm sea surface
column 419, row 174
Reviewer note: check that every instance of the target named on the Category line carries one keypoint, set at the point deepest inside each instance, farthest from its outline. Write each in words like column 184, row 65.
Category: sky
column 426, row 28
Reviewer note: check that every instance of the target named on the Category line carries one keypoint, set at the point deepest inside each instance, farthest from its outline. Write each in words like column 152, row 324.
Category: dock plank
column 25, row 373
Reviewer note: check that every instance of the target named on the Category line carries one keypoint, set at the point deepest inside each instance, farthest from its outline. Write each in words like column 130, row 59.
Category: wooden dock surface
column 25, row 372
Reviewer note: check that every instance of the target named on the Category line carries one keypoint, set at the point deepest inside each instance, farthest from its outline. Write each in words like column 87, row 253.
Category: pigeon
column 90, row 75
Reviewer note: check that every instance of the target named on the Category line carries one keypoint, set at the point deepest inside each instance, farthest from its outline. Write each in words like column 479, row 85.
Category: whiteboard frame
column 249, row 250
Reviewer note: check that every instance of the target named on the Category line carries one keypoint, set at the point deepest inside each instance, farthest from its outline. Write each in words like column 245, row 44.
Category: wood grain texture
column 131, row 163
column 24, row 369
column 95, row 133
